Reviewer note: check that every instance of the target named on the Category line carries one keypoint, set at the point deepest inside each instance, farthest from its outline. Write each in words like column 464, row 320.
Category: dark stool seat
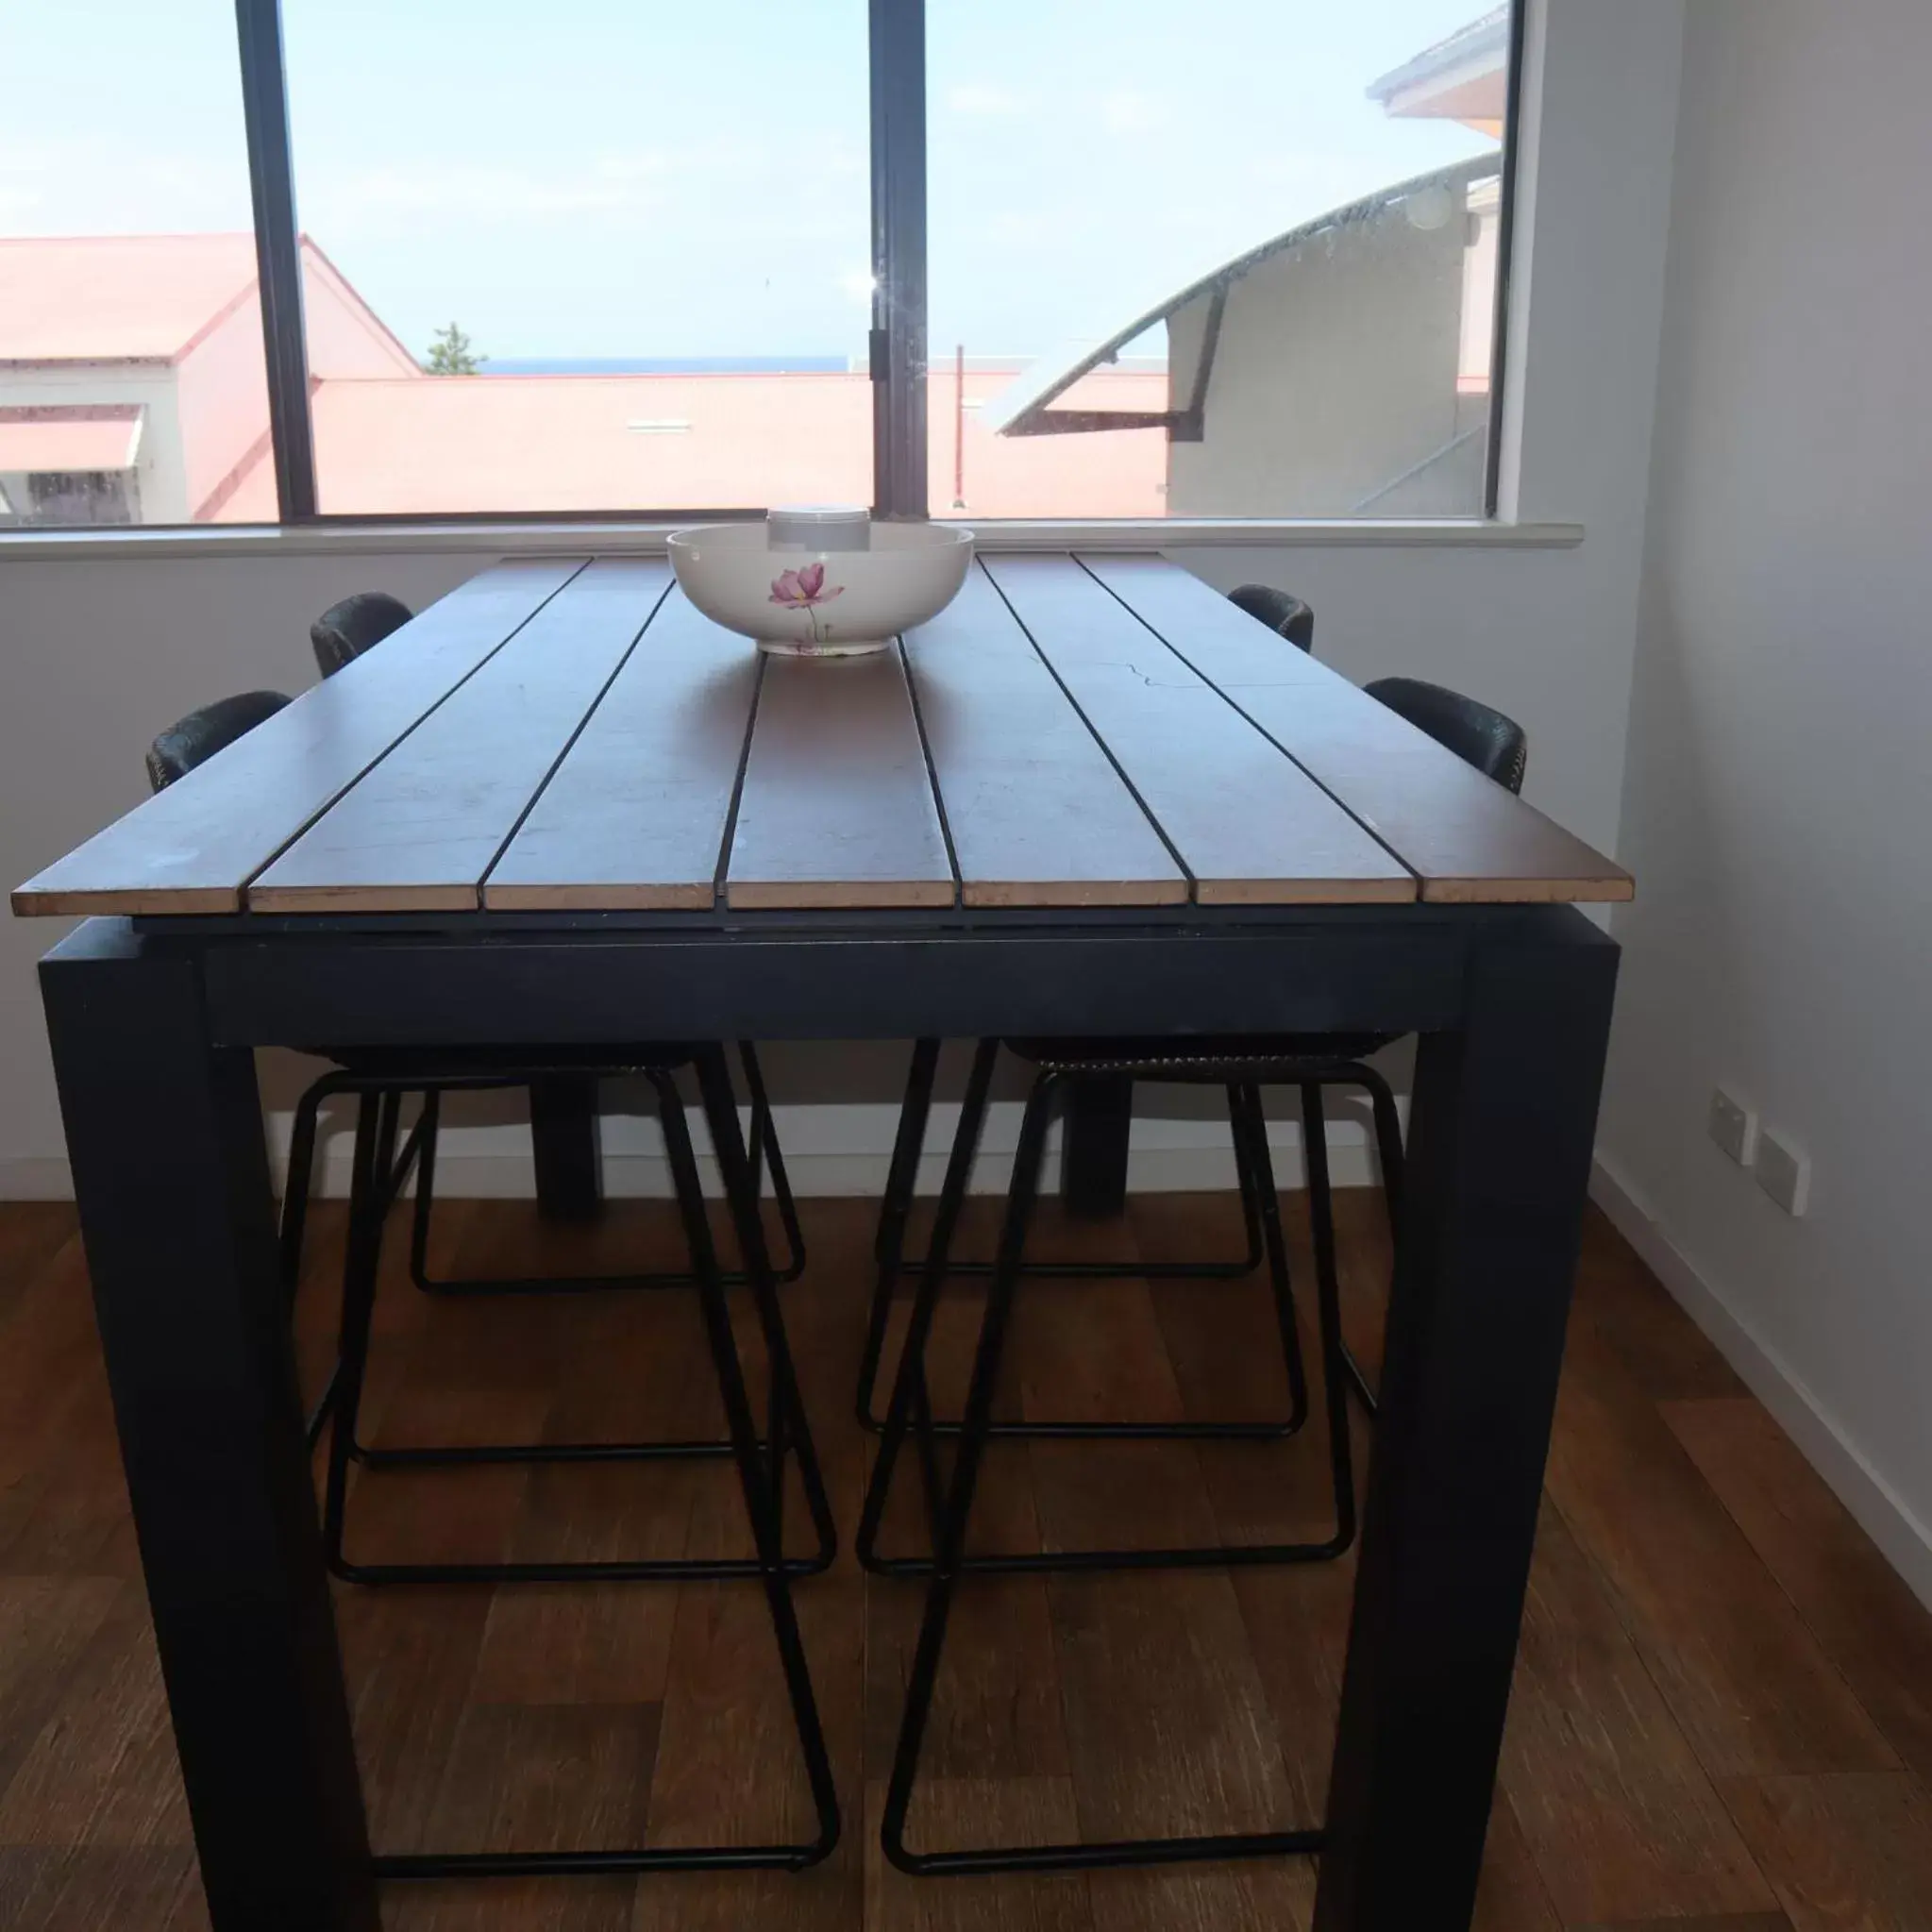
column 1211, row 1058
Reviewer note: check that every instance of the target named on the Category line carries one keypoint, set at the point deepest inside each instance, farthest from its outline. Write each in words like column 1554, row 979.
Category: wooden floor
column 1722, row 1720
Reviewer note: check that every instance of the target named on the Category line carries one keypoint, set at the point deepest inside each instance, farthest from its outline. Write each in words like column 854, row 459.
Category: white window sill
column 509, row 537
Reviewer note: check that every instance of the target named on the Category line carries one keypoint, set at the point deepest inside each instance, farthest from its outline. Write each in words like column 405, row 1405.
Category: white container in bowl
column 811, row 603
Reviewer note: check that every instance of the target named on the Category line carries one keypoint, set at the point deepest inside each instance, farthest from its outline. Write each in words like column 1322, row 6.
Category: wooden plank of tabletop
column 635, row 815
column 419, row 832
column 1037, row 812
column 1465, row 837
column 836, row 806
column 193, row 848
column 1250, row 826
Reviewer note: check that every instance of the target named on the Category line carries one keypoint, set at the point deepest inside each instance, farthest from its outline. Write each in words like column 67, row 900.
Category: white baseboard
column 32, row 1178
column 845, row 1150
column 829, row 1151
column 1905, row 1541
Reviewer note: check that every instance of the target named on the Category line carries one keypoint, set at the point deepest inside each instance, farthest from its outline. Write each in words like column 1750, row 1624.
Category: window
column 983, row 258
column 132, row 386
column 646, row 229
column 1231, row 260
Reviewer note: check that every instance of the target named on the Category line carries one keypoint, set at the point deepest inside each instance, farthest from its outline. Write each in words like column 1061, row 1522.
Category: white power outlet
column 1733, row 1127
column 1784, row 1174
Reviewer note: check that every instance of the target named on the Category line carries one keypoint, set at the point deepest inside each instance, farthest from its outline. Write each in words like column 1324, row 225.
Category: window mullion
column 899, row 257
column 278, row 254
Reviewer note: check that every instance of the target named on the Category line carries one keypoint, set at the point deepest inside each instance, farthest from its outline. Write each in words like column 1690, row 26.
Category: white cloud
column 982, row 102
column 1127, row 111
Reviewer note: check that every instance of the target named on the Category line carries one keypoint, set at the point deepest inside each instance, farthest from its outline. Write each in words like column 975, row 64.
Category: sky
column 624, row 178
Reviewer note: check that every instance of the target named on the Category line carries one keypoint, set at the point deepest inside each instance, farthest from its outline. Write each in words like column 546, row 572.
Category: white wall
column 96, row 654
column 1779, row 791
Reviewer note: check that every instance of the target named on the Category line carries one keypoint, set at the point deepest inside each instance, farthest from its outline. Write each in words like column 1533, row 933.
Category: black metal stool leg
column 382, row 1102
column 888, row 1245
column 770, row 1568
column 908, row 1382
column 950, row 1565
column 951, row 1539
column 760, row 1494
column 765, row 1151
column 299, row 1185
column 721, row 1114
column 1334, row 1355
column 910, row 1388
column 1251, row 1135
column 361, row 1261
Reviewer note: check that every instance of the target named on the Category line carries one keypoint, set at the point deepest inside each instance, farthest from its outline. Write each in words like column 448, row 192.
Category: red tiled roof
column 116, row 298
column 511, row 443
column 100, row 436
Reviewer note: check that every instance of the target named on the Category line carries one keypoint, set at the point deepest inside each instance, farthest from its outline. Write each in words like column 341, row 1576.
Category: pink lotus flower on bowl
column 801, row 589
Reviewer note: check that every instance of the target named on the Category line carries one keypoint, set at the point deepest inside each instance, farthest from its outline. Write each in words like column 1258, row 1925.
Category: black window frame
column 897, row 339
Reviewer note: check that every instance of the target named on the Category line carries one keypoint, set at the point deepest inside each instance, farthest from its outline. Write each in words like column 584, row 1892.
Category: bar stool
column 759, row 1459
column 195, row 739
column 1287, row 617
column 354, row 625
column 379, row 1079
column 1494, row 745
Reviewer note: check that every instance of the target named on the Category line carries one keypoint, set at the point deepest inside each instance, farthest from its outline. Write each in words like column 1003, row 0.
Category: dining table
column 561, row 806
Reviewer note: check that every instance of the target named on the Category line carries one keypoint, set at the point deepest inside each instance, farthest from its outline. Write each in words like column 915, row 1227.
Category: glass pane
column 595, row 256
column 131, row 376
column 1230, row 260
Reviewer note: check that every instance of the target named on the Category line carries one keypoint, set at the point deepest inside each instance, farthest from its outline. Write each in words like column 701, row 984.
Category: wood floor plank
column 1274, row 1896
column 1858, row 1607
column 420, row 831
column 46, row 1625
column 1168, row 1724
column 1724, row 1921
column 193, row 848
column 31, row 1233
column 102, row 1770
column 636, row 813
column 1022, row 1810
column 1743, row 1675
column 1623, row 1821
column 836, row 807
column 522, row 1713
column 1463, row 836
column 1250, row 825
column 1848, row 1852
column 44, row 1890
column 1510, row 1895
column 1668, row 1357
column 1037, row 812
column 519, row 1777
column 409, row 1657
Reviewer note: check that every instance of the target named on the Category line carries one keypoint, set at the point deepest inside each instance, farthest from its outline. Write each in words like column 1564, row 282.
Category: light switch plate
column 1733, row 1127
column 1784, row 1174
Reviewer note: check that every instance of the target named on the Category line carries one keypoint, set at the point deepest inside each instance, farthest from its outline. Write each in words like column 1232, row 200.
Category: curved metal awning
column 1024, row 409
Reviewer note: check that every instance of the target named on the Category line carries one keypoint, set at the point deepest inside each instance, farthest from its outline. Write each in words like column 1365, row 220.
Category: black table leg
column 1499, row 1163
column 563, row 1136
column 1093, row 1168
column 172, row 1177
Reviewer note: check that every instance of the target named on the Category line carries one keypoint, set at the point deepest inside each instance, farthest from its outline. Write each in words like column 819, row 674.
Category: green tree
column 450, row 354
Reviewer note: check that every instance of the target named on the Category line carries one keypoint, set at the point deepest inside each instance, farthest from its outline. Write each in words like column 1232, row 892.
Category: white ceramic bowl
column 821, row 603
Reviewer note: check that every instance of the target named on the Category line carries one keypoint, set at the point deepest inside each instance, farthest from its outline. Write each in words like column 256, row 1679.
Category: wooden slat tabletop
column 1103, row 731
column 1463, row 837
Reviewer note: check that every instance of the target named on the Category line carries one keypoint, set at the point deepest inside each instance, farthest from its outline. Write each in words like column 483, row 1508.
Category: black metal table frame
column 153, row 1025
